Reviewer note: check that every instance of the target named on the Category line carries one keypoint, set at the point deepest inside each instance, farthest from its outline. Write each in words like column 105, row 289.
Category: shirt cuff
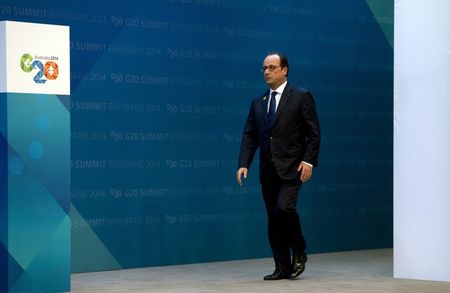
column 311, row 165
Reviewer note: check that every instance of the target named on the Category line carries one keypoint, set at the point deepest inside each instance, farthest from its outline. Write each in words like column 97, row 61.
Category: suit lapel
column 264, row 101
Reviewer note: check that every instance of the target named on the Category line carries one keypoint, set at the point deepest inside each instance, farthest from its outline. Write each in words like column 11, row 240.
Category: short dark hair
column 283, row 59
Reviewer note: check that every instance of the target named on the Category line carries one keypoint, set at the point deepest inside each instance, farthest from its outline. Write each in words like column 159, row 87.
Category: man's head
column 275, row 69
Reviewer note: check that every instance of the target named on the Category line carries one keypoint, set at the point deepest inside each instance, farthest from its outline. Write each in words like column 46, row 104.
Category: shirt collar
column 279, row 89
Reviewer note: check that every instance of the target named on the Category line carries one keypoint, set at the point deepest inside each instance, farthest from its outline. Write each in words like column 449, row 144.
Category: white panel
column 43, row 44
column 422, row 140
column 2, row 57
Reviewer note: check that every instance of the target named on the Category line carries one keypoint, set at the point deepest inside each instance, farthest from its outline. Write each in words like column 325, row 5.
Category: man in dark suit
column 283, row 123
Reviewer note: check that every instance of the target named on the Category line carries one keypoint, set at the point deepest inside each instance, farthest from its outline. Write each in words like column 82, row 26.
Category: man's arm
column 310, row 158
column 249, row 145
column 313, row 130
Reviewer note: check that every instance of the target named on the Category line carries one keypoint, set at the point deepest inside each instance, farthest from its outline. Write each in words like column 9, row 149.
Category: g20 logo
column 47, row 71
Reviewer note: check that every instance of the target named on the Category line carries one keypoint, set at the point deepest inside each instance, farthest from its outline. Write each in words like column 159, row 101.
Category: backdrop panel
column 160, row 93
column 422, row 141
column 35, row 158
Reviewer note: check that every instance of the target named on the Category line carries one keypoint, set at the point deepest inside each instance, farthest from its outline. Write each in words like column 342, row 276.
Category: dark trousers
column 284, row 228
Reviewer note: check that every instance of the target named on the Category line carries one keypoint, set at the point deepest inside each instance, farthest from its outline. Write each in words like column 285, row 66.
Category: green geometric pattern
column 383, row 12
column 92, row 254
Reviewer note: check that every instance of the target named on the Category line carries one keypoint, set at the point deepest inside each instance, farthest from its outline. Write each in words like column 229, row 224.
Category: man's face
column 274, row 75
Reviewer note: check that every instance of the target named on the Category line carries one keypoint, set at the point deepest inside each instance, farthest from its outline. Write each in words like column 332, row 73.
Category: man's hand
column 241, row 172
column 305, row 171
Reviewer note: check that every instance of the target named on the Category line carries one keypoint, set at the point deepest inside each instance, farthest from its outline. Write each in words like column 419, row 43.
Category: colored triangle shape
column 88, row 251
column 54, row 256
column 24, row 284
column 383, row 12
column 15, row 271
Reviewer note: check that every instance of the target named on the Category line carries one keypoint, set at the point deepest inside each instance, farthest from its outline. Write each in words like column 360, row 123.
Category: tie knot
column 274, row 93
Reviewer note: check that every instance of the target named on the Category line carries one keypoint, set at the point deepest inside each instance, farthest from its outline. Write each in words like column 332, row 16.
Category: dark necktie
column 272, row 107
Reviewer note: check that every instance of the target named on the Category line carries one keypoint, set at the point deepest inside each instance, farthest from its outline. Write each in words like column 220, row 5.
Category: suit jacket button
column 271, row 138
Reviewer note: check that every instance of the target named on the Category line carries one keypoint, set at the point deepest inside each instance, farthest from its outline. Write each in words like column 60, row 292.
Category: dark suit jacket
column 294, row 137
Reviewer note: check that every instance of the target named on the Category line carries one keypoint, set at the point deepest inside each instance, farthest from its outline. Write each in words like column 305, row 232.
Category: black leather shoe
column 278, row 275
column 298, row 262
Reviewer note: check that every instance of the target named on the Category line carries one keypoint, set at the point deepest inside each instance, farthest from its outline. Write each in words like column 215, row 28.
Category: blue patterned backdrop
column 35, row 193
column 159, row 94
